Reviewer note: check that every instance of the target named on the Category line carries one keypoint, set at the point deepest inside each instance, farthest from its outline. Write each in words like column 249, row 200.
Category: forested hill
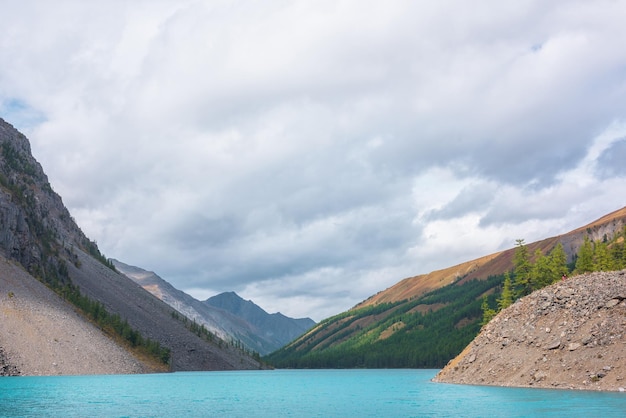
column 425, row 321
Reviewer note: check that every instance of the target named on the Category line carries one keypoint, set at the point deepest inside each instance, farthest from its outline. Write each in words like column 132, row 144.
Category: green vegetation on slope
column 429, row 330
column 543, row 270
column 201, row 331
column 114, row 324
column 418, row 333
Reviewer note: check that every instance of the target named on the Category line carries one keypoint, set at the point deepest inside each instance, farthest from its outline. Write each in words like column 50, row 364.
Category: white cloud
column 310, row 154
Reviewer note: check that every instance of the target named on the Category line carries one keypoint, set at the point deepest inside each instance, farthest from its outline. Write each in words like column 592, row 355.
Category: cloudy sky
column 308, row 154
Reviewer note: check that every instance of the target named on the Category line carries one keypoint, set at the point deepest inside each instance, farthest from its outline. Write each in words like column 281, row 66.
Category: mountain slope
column 252, row 326
column 37, row 231
column 41, row 334
column 214, row 320
column 496, row 263
column 422, row 321
column 275, row 327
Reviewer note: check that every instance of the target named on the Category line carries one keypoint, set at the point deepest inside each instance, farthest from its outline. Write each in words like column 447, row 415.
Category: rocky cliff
column 570, row 335
column 34, row 223
column 37, row 231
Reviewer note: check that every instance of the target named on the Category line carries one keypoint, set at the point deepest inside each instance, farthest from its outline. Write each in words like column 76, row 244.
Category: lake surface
column 290, row 393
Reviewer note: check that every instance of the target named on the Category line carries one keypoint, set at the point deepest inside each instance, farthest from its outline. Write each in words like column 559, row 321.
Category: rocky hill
column 226, row 315
column 570, row 335
column 37, row 231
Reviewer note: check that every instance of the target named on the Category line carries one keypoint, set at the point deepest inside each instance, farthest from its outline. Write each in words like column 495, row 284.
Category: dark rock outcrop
column 7, row 369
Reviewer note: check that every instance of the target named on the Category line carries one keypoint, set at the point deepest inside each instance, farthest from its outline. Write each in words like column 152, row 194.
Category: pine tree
column 602, row 258
column 558, row 262
column 488, row 313
column 618, row 250
column 617, row 255
column 541, row 273
column 522, row 269
column 584, row 262
column 507, row 297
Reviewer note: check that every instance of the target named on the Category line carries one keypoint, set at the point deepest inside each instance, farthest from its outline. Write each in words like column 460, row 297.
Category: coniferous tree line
column 201, row 331
column 530, row 274
column 430, row 338
column 114, row 324
column 420, row 339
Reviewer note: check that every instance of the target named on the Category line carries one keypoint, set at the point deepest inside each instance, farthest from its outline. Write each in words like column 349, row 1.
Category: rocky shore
column 40, row 334
column 569, row 335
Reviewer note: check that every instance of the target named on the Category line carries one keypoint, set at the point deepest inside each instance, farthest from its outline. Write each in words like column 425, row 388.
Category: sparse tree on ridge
column 488, row 313
column 558, row 262
column 522, row 269
column 618, row 255
column 606, row 255
column 541, row 273
column 584, row 262
column 506, row 298
column 602, row 257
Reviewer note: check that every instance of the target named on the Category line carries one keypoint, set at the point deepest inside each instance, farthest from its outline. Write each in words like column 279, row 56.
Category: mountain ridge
column 274, row 326
column 250, row 325
column 425, row 320
column 495, row 263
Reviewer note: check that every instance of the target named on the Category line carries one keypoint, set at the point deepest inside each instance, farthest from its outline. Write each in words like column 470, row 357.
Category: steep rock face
column 569, row 335
column 37, row 231
column 33, row 220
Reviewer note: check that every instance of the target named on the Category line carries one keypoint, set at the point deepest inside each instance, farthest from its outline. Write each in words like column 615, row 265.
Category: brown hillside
column 496, row 263
column 418, row 285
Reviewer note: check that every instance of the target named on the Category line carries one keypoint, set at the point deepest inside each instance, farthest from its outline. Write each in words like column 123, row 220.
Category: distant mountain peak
column 227, row 315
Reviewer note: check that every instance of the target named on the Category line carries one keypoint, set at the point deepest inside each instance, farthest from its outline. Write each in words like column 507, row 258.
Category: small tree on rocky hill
column 522, row 269
column 584, row 260
column 507, row 297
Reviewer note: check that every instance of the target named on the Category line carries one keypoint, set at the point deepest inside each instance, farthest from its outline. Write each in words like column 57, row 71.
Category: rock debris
column 569, row 335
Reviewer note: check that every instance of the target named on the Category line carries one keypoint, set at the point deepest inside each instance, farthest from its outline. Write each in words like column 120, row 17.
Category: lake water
column 290, row 393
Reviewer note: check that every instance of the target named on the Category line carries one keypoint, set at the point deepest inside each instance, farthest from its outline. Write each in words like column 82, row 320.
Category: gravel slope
column 570, row 335
column 40, row 334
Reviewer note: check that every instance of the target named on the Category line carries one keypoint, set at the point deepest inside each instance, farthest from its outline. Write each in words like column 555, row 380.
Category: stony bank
column 569, row 335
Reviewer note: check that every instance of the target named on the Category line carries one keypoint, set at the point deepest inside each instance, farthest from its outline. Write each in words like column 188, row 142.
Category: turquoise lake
column 290, row 393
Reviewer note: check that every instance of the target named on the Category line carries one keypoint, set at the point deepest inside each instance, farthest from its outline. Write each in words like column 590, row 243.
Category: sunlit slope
column 422, row 321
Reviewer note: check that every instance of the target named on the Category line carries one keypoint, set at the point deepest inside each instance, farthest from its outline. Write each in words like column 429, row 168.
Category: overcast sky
column 308, row 154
